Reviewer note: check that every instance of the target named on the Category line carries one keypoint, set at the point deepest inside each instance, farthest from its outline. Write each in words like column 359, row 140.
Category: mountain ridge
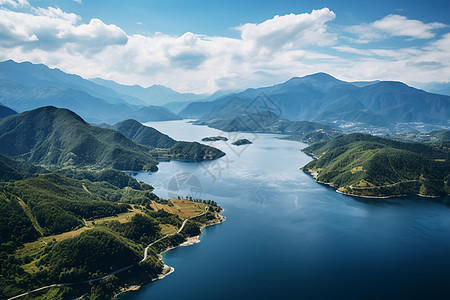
column 322, row 98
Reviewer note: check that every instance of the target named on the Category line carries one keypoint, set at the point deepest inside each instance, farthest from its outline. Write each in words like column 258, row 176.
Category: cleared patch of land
column 32, row 252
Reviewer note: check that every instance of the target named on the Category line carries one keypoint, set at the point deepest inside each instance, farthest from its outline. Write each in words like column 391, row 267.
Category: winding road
column 116, row 271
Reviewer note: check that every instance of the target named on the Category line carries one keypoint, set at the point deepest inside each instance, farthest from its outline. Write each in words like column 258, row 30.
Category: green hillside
column 71, row 226
column 365, row 165
column 193, row 151
column 58, row 137
column 168, row 148
column 144, row 135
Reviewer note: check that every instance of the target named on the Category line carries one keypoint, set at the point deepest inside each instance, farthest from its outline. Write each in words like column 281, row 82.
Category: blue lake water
column 288, row 237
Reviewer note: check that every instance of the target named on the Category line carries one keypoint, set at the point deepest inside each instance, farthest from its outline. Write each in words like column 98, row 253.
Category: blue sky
column 202, row 46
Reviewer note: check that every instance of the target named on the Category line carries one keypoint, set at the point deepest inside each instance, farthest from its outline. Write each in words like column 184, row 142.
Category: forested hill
column 69, row 226
column 59, row 137
column 144, row 135
column 170, row 148
column 366, row 165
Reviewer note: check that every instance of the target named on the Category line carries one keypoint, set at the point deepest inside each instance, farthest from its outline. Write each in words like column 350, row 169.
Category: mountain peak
column 319, row 81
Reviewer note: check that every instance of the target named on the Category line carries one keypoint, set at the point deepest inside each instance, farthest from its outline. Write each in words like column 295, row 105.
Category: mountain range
column 323, row 98
column 374, row 106
column 153, row 95
column 60, row 138
column 25, row 86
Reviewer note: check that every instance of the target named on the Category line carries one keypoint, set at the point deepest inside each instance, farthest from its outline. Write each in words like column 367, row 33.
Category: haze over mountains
column 25, row 86
column 374, row 107
column 153, row 95
column 323, row 98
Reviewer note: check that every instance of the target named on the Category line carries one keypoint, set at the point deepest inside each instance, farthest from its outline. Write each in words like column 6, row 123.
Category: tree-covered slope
column 193, row 151
column 144, row 135
column 169, row 148
column 72, row 226
column 59, row 137
column 373, row 166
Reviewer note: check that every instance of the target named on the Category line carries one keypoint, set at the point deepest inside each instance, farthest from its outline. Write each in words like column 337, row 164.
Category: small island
column 214, row 139
column 242, row 142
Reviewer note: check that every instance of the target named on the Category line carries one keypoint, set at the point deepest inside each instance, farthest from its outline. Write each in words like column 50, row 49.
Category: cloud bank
column 265, row 53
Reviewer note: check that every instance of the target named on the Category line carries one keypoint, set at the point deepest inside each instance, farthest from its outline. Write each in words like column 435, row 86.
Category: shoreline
column 167, row 270
column 314, row 175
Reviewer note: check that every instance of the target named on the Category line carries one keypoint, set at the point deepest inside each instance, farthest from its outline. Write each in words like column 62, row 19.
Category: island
column 241, row 142
column 214, row 139
column 371, row 166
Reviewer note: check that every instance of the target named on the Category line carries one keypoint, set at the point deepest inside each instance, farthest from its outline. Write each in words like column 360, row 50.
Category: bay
column 288, row 237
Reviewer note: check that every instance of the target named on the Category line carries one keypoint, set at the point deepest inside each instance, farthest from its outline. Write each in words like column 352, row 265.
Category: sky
column 205, row 46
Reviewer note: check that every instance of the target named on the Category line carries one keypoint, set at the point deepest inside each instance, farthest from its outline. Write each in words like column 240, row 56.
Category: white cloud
column 395, row 25
column 290, row 30
column 265, row 53
column 78, row 1
column 51, row 28
column 15, row 3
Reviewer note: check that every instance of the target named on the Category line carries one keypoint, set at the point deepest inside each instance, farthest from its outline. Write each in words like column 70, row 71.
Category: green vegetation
column 241, row 142
column 214, row 138
column 11, row 169
column 316, row 136
column 166, row 148
column 429, row 137
column 144, row 135
column 365, row 165
column 71, row 226
column 58, row 137
column 193, row 151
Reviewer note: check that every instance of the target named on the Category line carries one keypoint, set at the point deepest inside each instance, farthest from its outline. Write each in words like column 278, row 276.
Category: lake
column 288, row 237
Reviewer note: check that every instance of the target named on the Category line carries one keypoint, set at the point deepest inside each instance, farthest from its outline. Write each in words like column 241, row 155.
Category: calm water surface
column 287, row 237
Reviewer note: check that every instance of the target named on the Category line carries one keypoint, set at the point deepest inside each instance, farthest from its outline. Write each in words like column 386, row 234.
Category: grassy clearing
column 122, row 218
column 167, row 229
column 182, row 208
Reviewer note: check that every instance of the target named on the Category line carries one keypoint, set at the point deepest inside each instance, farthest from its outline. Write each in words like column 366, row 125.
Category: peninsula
column 370, row 166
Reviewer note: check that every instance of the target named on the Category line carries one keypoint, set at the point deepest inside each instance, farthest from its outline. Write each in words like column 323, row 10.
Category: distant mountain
column 323, row 98
column 29, row 74
column 151, row 113
column 91, row 108
column 153, row 95
column 58, row 137
column 177, row 107
column 25, row 86
column 6, row 111
column 365, row 165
